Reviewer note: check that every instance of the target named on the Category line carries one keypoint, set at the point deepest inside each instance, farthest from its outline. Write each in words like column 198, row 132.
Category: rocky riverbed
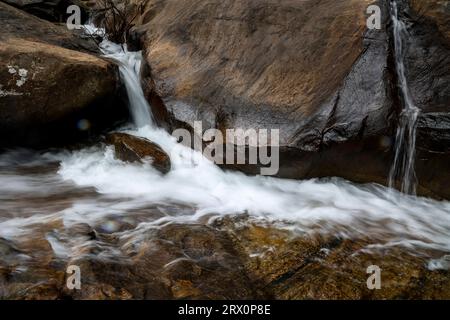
column 80, row 186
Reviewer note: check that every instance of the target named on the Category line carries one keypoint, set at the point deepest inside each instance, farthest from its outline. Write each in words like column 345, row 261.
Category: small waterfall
column 130, row 67
column 405, row 145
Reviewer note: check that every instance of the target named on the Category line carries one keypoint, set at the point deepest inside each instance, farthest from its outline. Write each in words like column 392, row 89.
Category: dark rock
column 49, row 91
column 329, row 86
column 271, row 65
column 427, row 61
column 133, row 149
column 51, row 10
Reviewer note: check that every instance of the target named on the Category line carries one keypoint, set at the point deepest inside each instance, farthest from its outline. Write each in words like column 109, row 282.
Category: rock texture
column 230, row 259
column 428, row 69
column 52, row 86
column 309, row 68
column 427, row 61
column 133, row 149
column 270, row 64
column 327, row 86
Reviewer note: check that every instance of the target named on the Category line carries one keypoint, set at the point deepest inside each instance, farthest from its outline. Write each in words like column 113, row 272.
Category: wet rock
column 49, row 92
column 427, row 57
column 330, row 87
column 290, row 266
column 207, row 267
column 175, row 262
column 234, row 258
column 250, row 64
column 133, row 149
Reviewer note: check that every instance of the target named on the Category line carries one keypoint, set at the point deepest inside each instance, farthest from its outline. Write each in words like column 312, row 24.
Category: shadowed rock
column 52, row 88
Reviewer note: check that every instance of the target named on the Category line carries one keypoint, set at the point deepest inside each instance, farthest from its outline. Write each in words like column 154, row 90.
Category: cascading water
column 130, row 67
column 405, row 145
column 50, row 196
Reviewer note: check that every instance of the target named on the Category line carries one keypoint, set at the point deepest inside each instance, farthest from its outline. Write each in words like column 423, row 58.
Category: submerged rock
column 53, row 87
column 133, row 149
column 52, row 10
column 233, row 258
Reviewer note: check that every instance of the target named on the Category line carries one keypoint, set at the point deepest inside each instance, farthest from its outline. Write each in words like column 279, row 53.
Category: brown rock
column 48, row 91
column 133, row 149
column 269, row 65
column 232, row 259
column 290, row 266
column 437, row 11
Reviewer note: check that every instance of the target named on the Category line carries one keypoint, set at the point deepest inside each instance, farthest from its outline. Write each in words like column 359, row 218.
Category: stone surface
column 254, row 64
column 52, row 86
column 427, row 61
column 232, row 258
column 330, row 87
column 133, row 149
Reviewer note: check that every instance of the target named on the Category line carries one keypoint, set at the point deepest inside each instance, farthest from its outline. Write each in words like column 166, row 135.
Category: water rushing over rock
column 405, row 146
column 130, row 70
column 201, row 232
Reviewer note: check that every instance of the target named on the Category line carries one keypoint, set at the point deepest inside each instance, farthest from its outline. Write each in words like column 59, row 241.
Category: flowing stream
column 48, row 195
column 405, row 146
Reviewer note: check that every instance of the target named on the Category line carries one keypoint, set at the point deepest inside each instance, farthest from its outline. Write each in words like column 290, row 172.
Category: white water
column 90, row 186
column 405, row 145
column 130, row 67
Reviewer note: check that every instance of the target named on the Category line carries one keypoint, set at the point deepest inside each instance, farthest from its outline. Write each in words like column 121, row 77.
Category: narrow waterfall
column 130, row 67
column 405, row 146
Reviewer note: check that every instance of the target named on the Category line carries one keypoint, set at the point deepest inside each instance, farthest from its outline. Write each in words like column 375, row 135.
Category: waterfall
column 91, row 187
column 405, row 145
column 130, row 67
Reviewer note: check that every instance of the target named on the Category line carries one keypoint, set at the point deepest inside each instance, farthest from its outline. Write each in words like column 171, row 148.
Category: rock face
column 309, row 68
column 427, row 61
column 270, row 64
column 133, row 149
column 51, row 87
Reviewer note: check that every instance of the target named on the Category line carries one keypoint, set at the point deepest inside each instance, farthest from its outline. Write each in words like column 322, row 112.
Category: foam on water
column 91, row 186
column 365, row 209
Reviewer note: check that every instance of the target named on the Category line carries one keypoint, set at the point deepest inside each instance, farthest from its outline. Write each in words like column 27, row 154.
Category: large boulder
column 427, row 61
column 309, row 68
column 53, row 85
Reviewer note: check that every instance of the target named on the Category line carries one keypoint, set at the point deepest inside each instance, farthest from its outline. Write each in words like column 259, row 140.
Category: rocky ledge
column 54, row 88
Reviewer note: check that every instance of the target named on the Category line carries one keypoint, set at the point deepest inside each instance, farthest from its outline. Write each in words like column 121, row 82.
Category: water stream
column 405, row 146
column 45, row 196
